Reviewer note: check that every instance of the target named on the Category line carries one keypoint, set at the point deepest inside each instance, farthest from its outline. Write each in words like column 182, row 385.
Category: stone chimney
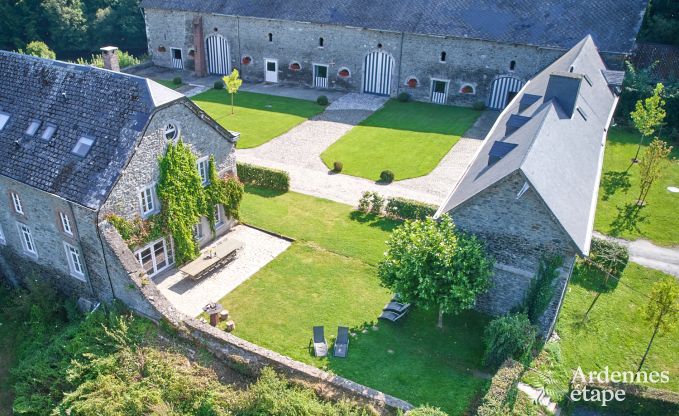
column 110, row 58
column 199, row 47
column 564, row 87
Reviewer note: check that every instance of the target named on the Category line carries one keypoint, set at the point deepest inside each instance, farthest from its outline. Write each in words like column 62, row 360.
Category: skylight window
column 83, row 146
column 48, row 132
column 4, row 117
column 33, row 127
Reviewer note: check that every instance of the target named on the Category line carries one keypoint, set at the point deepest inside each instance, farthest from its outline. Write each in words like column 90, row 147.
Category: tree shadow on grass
column 263, row 192
column 261, row 102
column 592, row 279
column 628, row 219
column 385, row 224
column 615, row 181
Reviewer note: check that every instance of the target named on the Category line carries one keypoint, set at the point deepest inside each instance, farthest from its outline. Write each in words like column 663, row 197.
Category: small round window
column 171, row 131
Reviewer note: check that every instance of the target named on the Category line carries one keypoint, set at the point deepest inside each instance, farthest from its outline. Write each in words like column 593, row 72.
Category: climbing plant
column 138, row 231
column 227, row 192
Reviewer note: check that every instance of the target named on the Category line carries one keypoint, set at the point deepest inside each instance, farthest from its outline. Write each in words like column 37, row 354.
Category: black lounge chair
column 342, row 342
column 392, row 316
column 396, row 307
column 320, row 345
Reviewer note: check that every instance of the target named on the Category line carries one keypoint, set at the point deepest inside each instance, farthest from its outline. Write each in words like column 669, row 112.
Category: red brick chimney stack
column 110, row 58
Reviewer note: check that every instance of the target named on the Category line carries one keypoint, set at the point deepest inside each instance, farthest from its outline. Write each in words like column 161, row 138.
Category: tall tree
column 648, row 115
column 232, row 83
column 432, row 265
column 66, row 23
column 652, row 166
column 662, row 310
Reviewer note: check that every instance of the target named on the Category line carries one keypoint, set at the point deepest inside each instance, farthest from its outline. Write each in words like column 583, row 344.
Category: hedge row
column 502, row 388
column 277, row 180
column 407, row 209
column 639, row 400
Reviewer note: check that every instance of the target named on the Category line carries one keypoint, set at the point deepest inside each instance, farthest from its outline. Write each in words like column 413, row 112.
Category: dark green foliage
column 502, row 390
column 387, row 176
column 218, row 85
column 479, row 106
column 408, row 209
column 39, row 49
column 661, row 23
column 365, row 201
column 177, row 80
column 609, row 256
column 541, row 290
column 337, row 167
column 262, row 177
column 322, row 100
column 510, row 336
column 227, row 192
column 426, row 411
column 138, row 231
column 376, row 204
column 403, row 97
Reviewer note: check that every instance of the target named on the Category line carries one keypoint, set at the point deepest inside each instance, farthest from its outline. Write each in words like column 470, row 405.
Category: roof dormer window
column 48, row 132
column 82, row 148
column 4, row 118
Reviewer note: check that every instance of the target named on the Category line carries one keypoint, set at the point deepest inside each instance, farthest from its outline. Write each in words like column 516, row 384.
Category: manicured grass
column 615, row 334
column 168, row 83
column 658, row 220
column 258, row 117
column 328, row 277
column 409, row 139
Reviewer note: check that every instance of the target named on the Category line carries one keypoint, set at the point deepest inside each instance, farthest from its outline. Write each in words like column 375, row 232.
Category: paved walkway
column 190, row 296
column 647, row 254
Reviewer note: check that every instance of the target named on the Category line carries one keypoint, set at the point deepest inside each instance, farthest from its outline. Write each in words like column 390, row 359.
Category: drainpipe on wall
column 400, row 64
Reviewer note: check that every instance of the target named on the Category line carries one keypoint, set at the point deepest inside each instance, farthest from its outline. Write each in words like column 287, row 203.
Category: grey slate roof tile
column 560, row 24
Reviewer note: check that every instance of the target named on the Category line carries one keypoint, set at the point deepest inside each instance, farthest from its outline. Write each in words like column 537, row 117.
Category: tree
column 648, row 114
column 432, row 265
column 510, row 336
column 652, row 167
column 232, row 83
column 606, row 259
column 39, row 49
column 662, row 310
column 66, row 23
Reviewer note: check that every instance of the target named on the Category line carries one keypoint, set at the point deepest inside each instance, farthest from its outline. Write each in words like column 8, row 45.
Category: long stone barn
column 460, row 52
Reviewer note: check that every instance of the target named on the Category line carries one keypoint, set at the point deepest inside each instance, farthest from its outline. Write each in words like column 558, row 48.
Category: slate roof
column 110, row 107
column 560, row 24
column 561, row 156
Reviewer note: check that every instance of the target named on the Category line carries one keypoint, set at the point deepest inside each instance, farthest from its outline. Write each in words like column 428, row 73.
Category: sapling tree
column 232, row 83
column 432, row 265
column 662, row 310
column 652, row 166
column 648, row 115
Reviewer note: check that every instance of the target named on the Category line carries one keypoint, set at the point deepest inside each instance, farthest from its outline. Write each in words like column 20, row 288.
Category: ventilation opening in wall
column 512, row 65
column 321, row 42
column 443, row 57
column 270, row 37
column 379, row 46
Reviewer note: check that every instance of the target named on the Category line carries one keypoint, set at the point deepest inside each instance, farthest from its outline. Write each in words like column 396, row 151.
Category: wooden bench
column 223, row 253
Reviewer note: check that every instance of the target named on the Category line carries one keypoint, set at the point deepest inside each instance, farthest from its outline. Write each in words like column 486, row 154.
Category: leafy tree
column 66, row 23
column 39, row 49
column 605, row 265
column 652, row 166
column 432, row 265
column 510, row 336
column 662, row 310
column 648, row 115
column 661, row 23
column 232, row 83
column 541, row 290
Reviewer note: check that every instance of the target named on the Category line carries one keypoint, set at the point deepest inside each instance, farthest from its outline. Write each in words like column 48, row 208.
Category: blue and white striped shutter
column 378, row 73
column 217, row 55
column 500, row 89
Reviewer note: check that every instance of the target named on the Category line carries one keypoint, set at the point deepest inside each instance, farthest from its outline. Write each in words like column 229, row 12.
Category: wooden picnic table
column 223, row 253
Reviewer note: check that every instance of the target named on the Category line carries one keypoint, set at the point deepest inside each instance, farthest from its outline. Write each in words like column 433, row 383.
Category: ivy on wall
column 226, row 192
column 138, row 231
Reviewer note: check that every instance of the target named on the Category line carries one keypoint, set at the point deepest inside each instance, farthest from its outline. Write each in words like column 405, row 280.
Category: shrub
column 322, row 100
column 39, row 49
column 502, row 390
column 407, row 209
column 177, row 80
column 262, row 177
column 337, row 166
column 218, row 85
column 541, row 289
column 479, row 106
column 403, row 97
column 387, row 176
column 376, row 204
column 426, row 411
column 609, row 256
column 510, row 336
column 364, row 202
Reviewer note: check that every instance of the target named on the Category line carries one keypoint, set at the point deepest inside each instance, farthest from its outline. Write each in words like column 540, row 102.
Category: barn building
column 459, row 52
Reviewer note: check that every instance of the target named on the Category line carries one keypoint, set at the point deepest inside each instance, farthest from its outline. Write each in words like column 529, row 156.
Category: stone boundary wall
column 134, row 288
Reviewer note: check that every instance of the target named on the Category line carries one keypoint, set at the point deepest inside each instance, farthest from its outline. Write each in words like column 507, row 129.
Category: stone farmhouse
column 459, row 52
column 78, row 143
column 532, row 187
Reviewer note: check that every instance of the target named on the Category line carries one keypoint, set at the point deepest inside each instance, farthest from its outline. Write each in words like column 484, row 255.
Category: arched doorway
column 502, row 91
column 377, row 73
column 217, row 54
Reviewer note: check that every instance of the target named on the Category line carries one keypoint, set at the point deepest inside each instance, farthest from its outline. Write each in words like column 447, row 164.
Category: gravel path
column 189, row 297
column 649, row 255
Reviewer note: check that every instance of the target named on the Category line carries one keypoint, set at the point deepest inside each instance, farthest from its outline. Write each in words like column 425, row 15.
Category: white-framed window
column 147, row 200
column 204, row 169
column 27, row 239
column 2, row 236
column 18, row 208
column 75, row 263
column 219, row 218
column 155, row 257
column 198, row 231
column 65, row 223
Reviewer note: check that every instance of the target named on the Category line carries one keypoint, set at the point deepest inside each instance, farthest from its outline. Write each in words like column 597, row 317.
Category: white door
column 155, row 257
column 217, row 55
column 502, row 91
column 439, row 91
column 177, row 61
column 377, row 74
column 320, row 76
column 270, row 70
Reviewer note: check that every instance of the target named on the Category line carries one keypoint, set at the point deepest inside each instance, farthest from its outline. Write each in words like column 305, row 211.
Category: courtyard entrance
column 377, row 73
column 217, row 55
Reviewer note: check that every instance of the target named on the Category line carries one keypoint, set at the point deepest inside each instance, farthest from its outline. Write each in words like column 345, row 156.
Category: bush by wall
column 322, row 100
column 502, row 390
column 403, row 97
column 408, row 209
column 510, row 336
column 541, row 290
column 262, row 177
column 609, row 256
column 218, row 85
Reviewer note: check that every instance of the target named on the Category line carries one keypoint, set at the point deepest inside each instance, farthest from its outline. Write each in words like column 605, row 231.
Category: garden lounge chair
column 397, row 307
column 342, row 342
column 392, row 316
column 320, row 345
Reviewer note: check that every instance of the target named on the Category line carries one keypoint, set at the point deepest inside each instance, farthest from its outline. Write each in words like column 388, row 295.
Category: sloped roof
column 111, row 108
column 560, row 24
column 559, row 154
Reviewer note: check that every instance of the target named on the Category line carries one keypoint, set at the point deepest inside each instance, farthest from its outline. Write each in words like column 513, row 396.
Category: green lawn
column 409, row 139
column 168, row 83
column 615, row 334
column 658, row 220
column 327, row 277
column 258, row 117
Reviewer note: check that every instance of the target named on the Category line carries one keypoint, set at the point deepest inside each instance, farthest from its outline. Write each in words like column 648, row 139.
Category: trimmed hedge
column 408, row 209
column 609, row 256
column 277, row 180
column 502, row 390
